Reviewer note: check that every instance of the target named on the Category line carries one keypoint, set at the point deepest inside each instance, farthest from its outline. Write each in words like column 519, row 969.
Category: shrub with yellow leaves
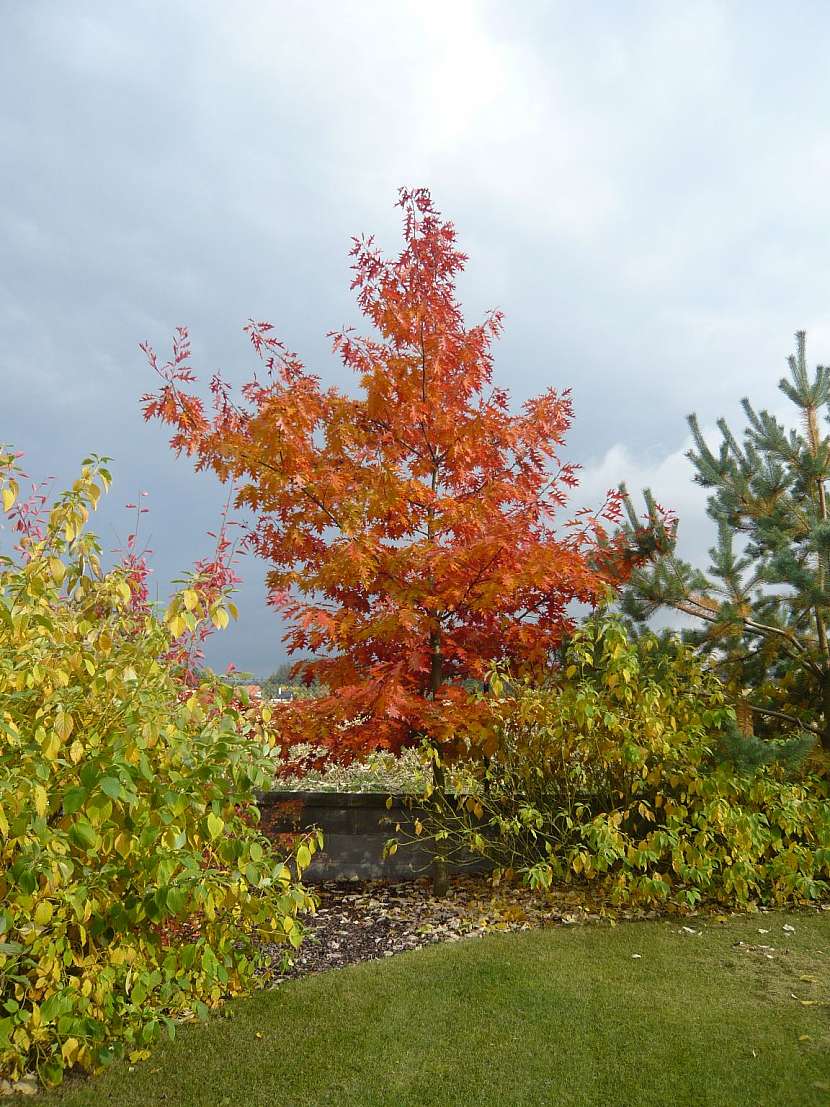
column 136, row 889
column 611, row 774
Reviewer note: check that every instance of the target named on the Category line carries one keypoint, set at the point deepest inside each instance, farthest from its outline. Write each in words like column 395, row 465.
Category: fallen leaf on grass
column 27, row 1085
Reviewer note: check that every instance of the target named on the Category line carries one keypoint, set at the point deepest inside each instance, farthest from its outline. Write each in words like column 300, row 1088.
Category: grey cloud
column 641, row 188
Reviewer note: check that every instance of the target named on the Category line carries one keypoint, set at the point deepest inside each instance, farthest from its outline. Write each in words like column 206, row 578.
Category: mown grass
column 563, row 1016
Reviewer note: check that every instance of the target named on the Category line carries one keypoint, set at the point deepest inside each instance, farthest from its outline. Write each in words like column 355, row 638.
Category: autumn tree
column 763, row 607
column 408, row 525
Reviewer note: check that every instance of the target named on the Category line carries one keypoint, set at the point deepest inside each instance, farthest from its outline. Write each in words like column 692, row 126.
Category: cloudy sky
column 641, row 188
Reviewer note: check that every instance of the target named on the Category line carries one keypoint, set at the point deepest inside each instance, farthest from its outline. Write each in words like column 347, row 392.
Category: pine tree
column 763, row 607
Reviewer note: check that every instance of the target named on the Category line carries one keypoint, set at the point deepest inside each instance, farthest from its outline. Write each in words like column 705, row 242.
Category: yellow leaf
column 123, row 590
column 4, row 822
column 176, row 625
column 52, row 746
column 266, row 714
column 9, row 496
column 57, row 569
column 303, row 856
column 41, row 799
column 64, row 725
column 191, row 599
column 220, row 618
column 76, row 751
column 70, row 1049
column 43, row 913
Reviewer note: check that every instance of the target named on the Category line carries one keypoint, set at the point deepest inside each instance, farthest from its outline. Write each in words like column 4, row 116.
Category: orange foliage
column 409, row 527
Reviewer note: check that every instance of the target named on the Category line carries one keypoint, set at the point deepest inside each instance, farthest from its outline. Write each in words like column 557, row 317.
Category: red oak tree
column 409, row 527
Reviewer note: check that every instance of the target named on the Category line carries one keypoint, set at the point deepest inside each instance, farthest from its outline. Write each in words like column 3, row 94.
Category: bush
column 611, row 775
column 406, row 773
column 135, row 887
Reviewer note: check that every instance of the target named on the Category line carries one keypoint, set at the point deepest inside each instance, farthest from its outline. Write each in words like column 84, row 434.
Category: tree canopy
column 410, row 524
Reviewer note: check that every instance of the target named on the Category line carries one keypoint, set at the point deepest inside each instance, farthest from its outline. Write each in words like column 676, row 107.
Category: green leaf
column 73, row 800
column 83, row 834
column 111, row 786
column 25, row 877
column 176, row 900
column 50, row 1071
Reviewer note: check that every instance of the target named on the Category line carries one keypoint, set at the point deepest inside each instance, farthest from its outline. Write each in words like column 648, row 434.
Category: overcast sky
column 642, row 189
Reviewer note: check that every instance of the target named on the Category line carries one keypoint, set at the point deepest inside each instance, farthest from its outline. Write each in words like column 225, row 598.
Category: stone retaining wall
column 355, row 826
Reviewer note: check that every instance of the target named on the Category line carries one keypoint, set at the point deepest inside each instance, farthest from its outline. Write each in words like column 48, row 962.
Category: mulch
column 369, row 920
column 366, row 921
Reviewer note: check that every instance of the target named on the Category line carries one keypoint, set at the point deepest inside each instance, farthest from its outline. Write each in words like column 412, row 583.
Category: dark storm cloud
column 641, row 188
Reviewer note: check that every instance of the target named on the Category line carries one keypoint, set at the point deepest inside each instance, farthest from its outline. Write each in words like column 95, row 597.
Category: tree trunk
column 440, row 877
column 825, row 704
column 440, row 869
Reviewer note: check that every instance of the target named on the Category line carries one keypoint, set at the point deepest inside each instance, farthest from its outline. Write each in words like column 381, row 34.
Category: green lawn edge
column 566, row 1016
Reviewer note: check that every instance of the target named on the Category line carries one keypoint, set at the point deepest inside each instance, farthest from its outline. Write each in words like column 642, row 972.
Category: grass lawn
column 562, row 1016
